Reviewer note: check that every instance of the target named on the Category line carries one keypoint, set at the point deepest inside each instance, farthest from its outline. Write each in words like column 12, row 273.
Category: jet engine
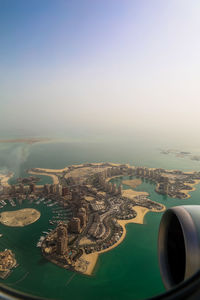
column 179, row 244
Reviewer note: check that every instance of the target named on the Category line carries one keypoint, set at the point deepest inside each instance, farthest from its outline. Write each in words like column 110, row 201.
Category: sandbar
column 132, row 194
column 85, row 240
column 89, row 198
column 51, row 170
column 28, row 141
column 19, row 218
column 54, row 177
column 132, row 183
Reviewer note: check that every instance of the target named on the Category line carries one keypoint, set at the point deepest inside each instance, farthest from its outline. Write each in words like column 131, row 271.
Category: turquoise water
column 130, row 271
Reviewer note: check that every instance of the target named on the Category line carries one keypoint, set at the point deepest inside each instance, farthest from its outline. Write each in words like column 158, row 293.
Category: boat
column 39, row 244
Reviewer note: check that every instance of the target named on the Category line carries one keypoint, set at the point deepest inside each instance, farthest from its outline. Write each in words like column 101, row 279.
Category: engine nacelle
column 179, row 244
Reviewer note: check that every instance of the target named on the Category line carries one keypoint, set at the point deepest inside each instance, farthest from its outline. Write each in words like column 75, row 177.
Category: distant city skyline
column 89, row 67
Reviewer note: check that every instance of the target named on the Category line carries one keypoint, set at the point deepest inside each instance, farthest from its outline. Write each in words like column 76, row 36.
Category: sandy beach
column 54, row 177
column 89, row 198
column 92, row 260
column 139, row 219
column 187, row 192
column 131, row 193
column 132, row 183
column 109, row 178
column 52, row 170
column 19, row 218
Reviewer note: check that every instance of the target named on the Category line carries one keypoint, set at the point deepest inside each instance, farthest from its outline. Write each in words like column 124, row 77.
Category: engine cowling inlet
column 179, row 244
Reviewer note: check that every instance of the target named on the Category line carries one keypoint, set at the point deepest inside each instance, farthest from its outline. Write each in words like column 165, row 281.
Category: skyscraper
column 32, row 188
column 75, row 225
column 82, row 216
column 62, row 239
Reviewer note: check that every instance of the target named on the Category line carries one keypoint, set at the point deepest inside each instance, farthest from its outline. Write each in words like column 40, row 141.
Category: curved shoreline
column 192, row 185
column 129, row 193
column 19, row 218
column 139, row 219
column 4, row 179
column 53, row 176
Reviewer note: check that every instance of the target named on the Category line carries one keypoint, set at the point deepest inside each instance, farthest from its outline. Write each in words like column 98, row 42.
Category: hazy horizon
column 96, row 68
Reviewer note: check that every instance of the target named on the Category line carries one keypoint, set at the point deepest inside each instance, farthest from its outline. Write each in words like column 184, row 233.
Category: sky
column 90, row 67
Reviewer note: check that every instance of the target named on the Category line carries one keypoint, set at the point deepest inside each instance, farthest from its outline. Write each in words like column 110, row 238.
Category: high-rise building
column 82, row 216
column 21, row 188
column 59, row 189
column 109, row 187
column 75, row 225
column 142, row 172
column 114, row 189
column 109, row 172
column 13, row 189
column 75, row 195
column 47, row 188
column 147, row 172
column 65, row 191
column 166, row 188
column 53, row 188
column 151, row 174
column 6, row 190
column 62, row 239
column 120, row 189
column 32, row 188
column 138, row 171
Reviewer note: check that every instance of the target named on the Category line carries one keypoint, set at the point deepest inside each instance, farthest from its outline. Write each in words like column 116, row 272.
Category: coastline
column 4, row 179
column 129, row 193
column 92, row 260
column 50, row 170
column 132, row 193
column 28, row 140
column 139, row 219
column 19, row 218
column 141, row 211
column 76, row 166
column 133, row 183
column 192, row 185
column 54, row 177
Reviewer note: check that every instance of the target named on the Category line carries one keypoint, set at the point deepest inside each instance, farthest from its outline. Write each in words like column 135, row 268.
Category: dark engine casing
column 179, row 244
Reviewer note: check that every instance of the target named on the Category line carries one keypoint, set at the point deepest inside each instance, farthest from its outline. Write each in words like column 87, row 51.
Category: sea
column 129, row 271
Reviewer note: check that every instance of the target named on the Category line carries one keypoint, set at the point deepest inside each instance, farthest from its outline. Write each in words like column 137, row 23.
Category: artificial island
column 93, row 211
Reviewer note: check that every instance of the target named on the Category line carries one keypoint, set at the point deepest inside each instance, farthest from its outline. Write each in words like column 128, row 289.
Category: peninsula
column 94, row 211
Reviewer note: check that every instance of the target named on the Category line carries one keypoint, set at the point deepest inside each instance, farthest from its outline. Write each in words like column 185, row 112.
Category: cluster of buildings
column 171, row 183
column 78, row 223
column 95, row 205
column 94, row 220
column 57, row 247
column 57, row 189
column 7, row 263
column 108, row 186
column 153, row 174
